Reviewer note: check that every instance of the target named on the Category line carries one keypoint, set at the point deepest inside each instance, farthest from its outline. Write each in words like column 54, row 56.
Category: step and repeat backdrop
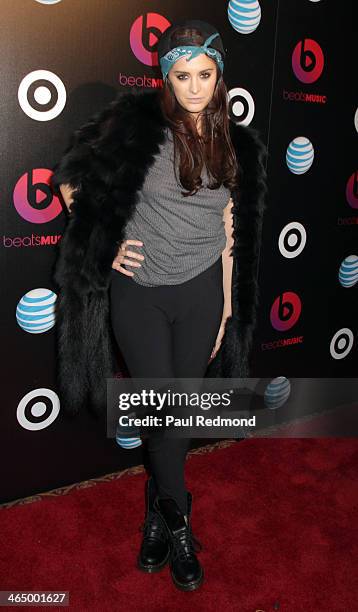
column 289, row 73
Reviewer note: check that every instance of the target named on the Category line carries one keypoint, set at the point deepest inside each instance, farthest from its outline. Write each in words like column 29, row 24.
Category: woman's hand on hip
column 122, row 257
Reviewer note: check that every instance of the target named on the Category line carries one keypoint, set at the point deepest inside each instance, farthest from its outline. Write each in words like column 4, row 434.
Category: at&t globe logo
column 299, row 155
column 244, row 15
column 35, row 312
column 348, row 271
column 277, row 392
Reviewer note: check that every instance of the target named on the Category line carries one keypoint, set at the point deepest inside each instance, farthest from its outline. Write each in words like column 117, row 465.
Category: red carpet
column 277, row 519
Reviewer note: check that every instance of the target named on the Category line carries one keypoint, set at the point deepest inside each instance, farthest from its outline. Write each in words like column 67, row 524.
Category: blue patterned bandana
column 173, row 55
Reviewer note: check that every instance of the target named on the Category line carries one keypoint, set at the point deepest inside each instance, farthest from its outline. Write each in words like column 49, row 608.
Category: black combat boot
column 186, row 571
column 155, row 550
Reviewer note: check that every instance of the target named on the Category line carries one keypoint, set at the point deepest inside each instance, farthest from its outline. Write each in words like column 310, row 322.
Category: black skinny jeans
column 165, row 332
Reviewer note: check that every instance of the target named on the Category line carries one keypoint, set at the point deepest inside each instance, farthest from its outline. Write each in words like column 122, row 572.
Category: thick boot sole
column 191, row 586
column 151, row 569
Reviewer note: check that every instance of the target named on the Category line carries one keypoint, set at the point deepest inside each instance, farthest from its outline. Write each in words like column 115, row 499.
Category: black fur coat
column 107, row 161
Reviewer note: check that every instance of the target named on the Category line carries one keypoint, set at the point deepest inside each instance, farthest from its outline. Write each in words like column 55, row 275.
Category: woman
column 158, row 175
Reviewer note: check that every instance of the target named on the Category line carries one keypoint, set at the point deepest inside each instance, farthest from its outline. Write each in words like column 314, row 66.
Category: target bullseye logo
column 144, row 35
column 42, row 95
column 285, row 311
column 38, row 409
column 292, row 240
column 307, row 60
column 341, row 343
column 33, row 198
column 241, row 106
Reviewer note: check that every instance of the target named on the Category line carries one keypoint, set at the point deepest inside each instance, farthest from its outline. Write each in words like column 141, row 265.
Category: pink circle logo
column 352, row 190
column 285, row 311
column 307, row 60
column 33, row 197
column 144, row 35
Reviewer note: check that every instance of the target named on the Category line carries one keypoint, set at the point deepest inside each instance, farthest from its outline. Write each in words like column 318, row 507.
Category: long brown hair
column 213, row 147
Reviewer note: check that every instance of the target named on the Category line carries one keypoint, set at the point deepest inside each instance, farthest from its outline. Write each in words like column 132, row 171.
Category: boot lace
column 185, row 544
column 147, row 527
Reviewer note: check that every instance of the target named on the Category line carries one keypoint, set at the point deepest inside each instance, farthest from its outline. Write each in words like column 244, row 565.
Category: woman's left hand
column 218, row 339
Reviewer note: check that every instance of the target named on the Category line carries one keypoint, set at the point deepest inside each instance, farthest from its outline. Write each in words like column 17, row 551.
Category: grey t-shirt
column 182, row 236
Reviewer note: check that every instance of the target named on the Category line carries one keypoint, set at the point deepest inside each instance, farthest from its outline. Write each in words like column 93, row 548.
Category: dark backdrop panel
column 86, row 45
column 315, row 199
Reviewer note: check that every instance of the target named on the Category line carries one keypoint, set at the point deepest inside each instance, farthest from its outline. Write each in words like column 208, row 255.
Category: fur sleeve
column 82, row 157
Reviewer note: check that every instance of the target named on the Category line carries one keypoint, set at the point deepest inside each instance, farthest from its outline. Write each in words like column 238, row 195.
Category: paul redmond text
column 190, row 421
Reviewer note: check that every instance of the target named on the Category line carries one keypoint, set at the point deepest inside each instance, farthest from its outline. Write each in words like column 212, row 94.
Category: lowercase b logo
column 143, row 37
column 307, row 60
column 352, row 190
column 33, row 198
column 285, row 311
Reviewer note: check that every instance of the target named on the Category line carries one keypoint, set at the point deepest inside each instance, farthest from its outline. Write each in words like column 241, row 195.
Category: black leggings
column 165, row 332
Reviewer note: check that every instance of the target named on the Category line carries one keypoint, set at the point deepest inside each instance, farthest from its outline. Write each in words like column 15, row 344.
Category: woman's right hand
column 121, row 257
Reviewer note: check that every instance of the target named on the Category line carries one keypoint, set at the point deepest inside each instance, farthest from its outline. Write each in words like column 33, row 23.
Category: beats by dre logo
column 352, row 190
column 144, row 35
column 307, row 60
column 42, row 95
column 241, row 106
column 33, row 198
column 292, row 240
column 285, row 311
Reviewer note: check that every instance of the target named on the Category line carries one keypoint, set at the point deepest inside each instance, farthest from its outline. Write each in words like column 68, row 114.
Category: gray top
column 182, row 236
